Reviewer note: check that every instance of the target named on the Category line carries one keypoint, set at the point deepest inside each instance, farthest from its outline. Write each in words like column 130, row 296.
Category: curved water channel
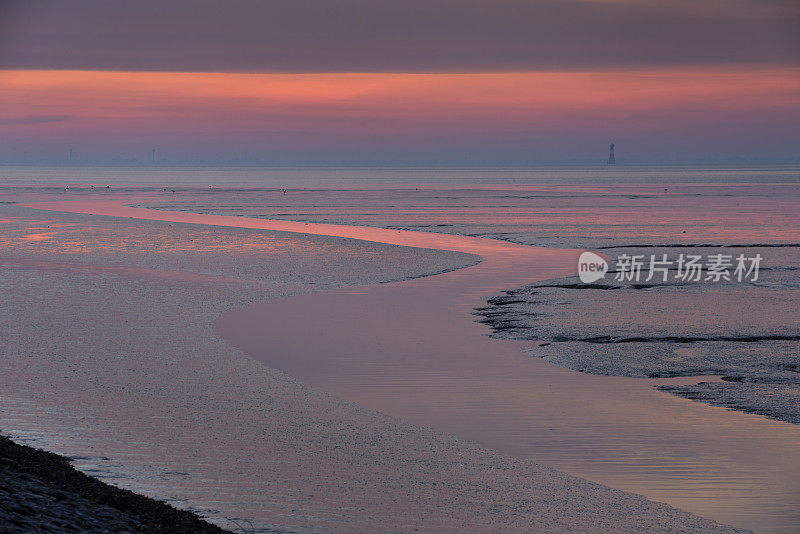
column 412, row 350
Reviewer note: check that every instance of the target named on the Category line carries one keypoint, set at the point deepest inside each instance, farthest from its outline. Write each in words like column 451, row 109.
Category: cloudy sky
column 412, row 82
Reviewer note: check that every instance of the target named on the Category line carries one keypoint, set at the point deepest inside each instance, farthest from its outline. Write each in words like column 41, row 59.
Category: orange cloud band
column 98, row 101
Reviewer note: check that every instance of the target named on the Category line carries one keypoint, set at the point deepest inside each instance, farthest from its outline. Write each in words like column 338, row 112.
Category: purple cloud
column 409, row 35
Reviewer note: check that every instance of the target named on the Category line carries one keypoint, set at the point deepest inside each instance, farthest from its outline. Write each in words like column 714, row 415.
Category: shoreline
column 511, row 254
column 41, row 491
column 753, row 394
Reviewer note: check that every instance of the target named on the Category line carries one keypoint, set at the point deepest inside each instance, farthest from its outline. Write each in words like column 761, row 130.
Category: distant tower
column 611, row 159
column 70, row 153
column 154, row 155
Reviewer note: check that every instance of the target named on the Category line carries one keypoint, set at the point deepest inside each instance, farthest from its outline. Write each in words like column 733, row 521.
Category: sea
column 599, row 354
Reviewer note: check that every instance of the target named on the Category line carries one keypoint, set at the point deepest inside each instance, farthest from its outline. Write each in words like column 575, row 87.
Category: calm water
column 413, row 350
column 316, row 177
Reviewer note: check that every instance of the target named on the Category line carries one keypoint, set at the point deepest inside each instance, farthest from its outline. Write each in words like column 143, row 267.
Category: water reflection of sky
column 586, row 216
column 681, row 455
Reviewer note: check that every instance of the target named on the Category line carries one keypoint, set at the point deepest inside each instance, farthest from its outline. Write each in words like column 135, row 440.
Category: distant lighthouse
column 611, row 159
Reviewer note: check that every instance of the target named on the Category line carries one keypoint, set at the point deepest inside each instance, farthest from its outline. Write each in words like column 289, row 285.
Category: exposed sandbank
column 649, row 219
column 746, row 333
column 276, row 450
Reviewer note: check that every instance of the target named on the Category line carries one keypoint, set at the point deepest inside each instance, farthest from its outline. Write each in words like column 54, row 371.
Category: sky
column 466, row 82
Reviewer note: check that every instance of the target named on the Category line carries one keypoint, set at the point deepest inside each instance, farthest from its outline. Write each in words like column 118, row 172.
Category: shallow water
column 405, row 350
column 706, row 219
column 412, row 350
column 382, row 177
column 585, row 216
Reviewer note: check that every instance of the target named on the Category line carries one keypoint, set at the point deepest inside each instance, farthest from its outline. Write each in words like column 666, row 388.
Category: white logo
column 591, row 267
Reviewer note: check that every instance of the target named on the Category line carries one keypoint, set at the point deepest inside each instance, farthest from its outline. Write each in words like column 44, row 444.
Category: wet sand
column 411, row 350
column 745, row 333
column 134, row 379
column 719, row 455
column 41, row 492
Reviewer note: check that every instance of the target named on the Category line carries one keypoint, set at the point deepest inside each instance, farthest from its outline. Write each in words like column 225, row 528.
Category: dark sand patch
column 746, row 332
column 42, row 492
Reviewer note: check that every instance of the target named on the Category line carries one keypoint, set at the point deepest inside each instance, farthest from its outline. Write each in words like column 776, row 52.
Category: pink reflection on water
column 378, row 235
column 409, row 349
